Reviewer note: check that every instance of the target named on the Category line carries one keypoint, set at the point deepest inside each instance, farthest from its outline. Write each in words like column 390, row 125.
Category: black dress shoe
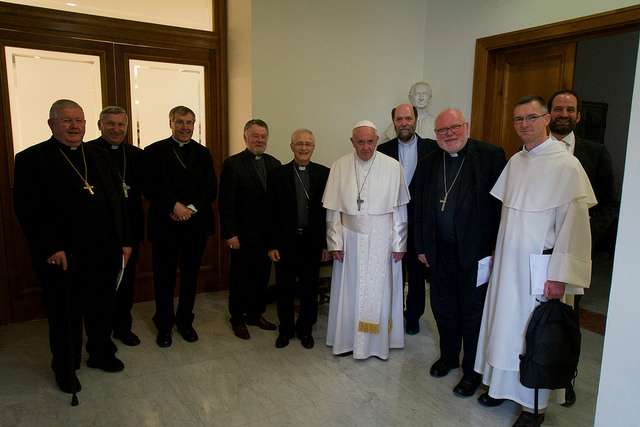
column 107, row 364
column 485, row 400
column 441, row 368
column 68, row 382
column 527, row 419
column 569, row 396
column 262, row 323
column 240, row 330
column 127, row 338
column 412, row 328
column 307, row 341
column 188, row 334
column 163, row 339
column 282, row 341
column 467, row 386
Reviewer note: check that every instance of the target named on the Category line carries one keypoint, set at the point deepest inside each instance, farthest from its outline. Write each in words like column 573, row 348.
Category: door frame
column 42, row 28
column 485, row 70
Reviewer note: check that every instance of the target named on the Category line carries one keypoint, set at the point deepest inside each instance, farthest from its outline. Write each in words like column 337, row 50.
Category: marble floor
column 223, row 381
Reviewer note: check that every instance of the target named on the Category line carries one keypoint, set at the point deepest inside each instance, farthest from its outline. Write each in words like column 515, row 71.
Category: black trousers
column 297, row 273
column 183, row 247
column 416, row 274
column 248, row 279
column 86, row 291
column 122, row 319
column 457, row 306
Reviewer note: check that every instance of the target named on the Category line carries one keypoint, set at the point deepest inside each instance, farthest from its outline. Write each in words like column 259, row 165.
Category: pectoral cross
column 359, row 201
column 443, row 202
column 125, row 189
column 88, row 187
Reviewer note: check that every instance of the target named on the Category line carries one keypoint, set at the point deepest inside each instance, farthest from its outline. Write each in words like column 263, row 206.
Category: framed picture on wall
column 593, row 121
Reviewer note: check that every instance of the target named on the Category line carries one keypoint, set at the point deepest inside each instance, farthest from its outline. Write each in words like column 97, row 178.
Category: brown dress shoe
column 262, row 323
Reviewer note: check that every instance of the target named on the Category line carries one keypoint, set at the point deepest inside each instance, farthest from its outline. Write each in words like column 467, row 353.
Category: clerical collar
column 180, row 144
column 462, row 151
column 65, row 146
column 114, row 146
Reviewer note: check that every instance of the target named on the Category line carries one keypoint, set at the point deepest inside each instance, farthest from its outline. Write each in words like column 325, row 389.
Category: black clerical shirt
column 303, row 191
column 446, row 219
column 88, row 213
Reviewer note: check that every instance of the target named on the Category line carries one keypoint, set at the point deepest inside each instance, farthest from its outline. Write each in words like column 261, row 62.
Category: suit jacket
column 596, row 162
column 477, row 215
column 134, row 175
column 53, row 210
column 243, row 199
column 283, row 218
column 167, row 181
column 425, row 147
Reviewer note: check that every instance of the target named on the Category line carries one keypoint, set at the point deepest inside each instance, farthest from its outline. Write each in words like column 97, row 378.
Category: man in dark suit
column 456, row 224
column 243, row 201
column 70, row 206
column 126, row 160
column 408, row 148
column 564, row 109
column 181, row 186
column 297, row 239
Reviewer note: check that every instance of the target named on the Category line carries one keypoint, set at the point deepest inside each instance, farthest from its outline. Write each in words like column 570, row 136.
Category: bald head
column 452, row 130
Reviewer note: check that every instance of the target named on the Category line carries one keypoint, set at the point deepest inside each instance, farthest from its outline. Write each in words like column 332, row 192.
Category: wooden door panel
column 212, row 270
column 535, row 70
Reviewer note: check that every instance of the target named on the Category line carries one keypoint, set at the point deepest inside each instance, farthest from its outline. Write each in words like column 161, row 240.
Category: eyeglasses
column 453, row 129
column 527, row 119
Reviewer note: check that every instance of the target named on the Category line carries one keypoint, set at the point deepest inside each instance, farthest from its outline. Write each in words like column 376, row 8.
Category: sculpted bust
column 420, row 97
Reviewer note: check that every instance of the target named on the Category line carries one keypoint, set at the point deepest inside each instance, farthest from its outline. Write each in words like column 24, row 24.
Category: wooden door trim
column 72, row 24
column 616, row 21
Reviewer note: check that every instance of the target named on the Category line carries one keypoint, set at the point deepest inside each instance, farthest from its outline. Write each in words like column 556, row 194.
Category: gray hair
column 112, row 109
column 61, row 104
column 256, row 122
column 181, row 110
column 301, row 131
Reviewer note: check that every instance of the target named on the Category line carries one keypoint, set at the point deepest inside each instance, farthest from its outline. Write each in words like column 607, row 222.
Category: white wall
column 327, row 64
column 454, row 26
column 620, row 372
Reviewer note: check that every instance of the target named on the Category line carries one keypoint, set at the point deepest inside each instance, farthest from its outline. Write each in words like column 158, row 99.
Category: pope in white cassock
column 545, row 197
column 366, row 200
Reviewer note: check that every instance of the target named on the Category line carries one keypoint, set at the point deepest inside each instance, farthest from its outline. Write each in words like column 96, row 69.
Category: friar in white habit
column 545, row 197
column 366, row 200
